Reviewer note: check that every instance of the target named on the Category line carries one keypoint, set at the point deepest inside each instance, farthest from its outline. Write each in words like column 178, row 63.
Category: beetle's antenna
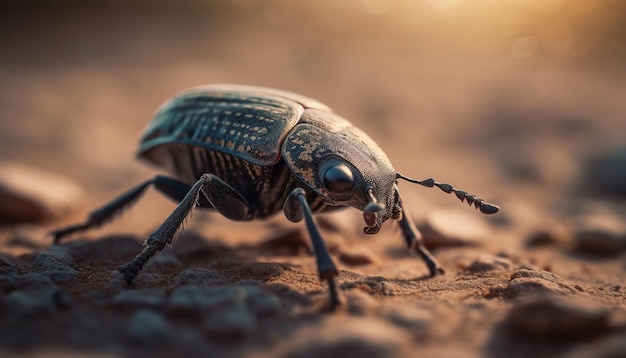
column 484, row 207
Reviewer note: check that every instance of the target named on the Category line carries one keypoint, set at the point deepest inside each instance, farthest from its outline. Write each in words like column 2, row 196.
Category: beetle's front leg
column 295, row 208
column 413, row 239
column 220, row 195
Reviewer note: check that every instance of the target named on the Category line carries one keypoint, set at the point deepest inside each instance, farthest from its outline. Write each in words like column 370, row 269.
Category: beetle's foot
column 59, row 234
column 334, row 302
column 433, row 265
column 129, row 271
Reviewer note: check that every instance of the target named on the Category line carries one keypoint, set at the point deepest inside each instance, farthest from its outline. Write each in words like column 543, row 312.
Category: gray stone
column 148, row 327
column 530, row 283
column 56, row 264
column 605, row 174
column 264, row 304
column 191, row 298
column 201, row 276
column 140, row 298
column 29, row 194
column 24, row 304
column 547, row 318
column 234, row 322
column 52, row 259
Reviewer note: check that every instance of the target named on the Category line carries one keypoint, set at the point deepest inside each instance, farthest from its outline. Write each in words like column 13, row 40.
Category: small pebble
column 453, row 228
column 56, row 264
column 553, row 234
column 29, row 195
column 601, row 234
column 548, row 318
column 356, row 255
column 148, row 327
column 488, row 262
column 605, row 174
column 231, row 323
column 530, row 283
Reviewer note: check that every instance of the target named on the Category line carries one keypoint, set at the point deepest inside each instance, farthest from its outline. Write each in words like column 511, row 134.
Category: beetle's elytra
column 254, row 151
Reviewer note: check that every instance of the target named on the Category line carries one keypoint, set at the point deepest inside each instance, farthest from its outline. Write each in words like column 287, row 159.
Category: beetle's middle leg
column 413, row 239
column 219, row 195
column 325, row 266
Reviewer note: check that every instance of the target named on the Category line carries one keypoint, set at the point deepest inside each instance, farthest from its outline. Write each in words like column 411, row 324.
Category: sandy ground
column 519, row 102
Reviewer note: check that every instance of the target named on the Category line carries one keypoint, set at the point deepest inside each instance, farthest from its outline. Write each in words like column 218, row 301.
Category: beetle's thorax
column 341, row 164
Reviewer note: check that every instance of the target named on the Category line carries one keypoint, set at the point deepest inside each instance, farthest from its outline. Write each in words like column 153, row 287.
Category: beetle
column 250, row 152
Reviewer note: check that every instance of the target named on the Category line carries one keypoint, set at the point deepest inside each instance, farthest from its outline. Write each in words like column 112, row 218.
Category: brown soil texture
column 519, row 102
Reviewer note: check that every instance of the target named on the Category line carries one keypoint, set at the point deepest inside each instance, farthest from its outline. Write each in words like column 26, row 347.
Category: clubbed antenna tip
column 480, row 204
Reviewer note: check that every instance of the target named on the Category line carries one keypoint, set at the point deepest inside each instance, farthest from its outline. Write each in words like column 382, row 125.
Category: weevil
column 250, row 152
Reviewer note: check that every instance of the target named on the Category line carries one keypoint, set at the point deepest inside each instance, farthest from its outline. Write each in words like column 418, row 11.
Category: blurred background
column 508, row 98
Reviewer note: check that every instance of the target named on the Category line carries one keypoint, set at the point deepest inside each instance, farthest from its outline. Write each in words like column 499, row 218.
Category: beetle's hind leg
column 98, row 216
column 168, row 186
column 414, row 241
column 217, row 194
column 295, row 208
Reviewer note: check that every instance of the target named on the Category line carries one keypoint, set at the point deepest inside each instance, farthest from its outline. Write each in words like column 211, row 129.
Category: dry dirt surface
column 521, row 102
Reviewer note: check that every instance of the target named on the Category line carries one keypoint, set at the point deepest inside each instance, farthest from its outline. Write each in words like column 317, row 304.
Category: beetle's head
column 344, row 167
column 364, row 182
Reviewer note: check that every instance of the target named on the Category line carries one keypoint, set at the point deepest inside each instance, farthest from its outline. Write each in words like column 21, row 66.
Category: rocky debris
column 56, row 264
column 231, row 324
column 153, row 298
column 8, row 266
column 453, row 227
column 601, row 234
column 148, row 327
column 358, row 301
column 530, row 283
column 337, row 337
column 547, row 318
column 605, row 174
column 231, row 312
column 488, row 262
column 411, row 317
column 28, row 280
column 553, row 234
column 356, row 255
column 194, row 298
column 28, row 303
column 201, row 276
column 28, row 194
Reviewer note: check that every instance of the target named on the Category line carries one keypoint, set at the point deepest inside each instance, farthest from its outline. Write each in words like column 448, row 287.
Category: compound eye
column 338, row 179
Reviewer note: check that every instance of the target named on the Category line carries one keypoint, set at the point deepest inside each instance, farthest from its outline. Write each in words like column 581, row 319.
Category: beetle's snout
column 372, row 214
